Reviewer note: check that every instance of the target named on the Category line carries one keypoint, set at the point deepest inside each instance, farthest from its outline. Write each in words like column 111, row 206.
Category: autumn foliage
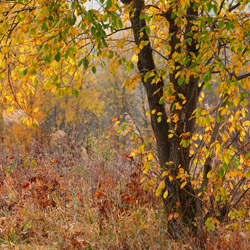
column 124, row 124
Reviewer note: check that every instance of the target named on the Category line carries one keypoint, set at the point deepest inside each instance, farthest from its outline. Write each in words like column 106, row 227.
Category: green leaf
column 94, row 69
column 46, row 46
column 220, row 172
column 218, row 119
column 55, row 79
column 73, row 49
column 45, row 27
column 110, row 54
column 248, row 155
column 58, row 56
column 189, row 41
column 120, row 24
column 208, row 87
column 161, row 100
column 215, row 9
column 24, row 72
column 109, row 4
column 207, row 120
column 80, row 63
column 147, row 30
column 85, row 63
column 160, row 188
column 123, row 126
column 206, row 78
column 92, row 30
column 72, row 20
column 146, row 187
column 32, row 71
column 35, row 81
column 147, row 167
column 75, row 92
column 198, row 113
column 247, row 174
column 5, row 25
column 221, row 24
column 180, row 80
column 40, row 47
column 185, row 143
column 67, row 54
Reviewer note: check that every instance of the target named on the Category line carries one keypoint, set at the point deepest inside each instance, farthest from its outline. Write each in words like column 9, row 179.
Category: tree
column 202, row 45
column 201, row 39
column 170, row 149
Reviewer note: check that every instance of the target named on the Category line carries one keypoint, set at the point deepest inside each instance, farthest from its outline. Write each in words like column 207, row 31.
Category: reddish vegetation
column 55, row 200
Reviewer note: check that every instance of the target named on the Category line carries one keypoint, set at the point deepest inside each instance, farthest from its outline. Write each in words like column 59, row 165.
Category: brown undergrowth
column 57, row 196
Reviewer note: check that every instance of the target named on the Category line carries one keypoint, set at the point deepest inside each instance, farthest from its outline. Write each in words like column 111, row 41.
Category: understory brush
column 60, row 197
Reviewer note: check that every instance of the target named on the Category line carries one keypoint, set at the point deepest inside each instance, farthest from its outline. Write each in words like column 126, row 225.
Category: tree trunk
column 180, row 200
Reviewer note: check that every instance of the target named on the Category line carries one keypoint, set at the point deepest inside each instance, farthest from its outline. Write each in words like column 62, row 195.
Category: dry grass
column 57, row 197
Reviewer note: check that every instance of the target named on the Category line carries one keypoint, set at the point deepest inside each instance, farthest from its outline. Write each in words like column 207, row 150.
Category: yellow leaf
column 181, row 96
column 21, row 48
column 170, row 135
column 142, row 179
column 224, row 138
column 236, row 101
column 209, row 174
column 226, row 159
column 162, row 185
column 217, row 146
column 165, row 195
column 135, row 58
column 175, row 54
column 132, row 154
column 183, row 185
column 141, row 45
column 150, row 156
column 165, row 173
column 240, row 167
column 243, row 113
column 223, row 111
column 246, row 124
column 176, row 215
column 120, row 43
column 178, row 106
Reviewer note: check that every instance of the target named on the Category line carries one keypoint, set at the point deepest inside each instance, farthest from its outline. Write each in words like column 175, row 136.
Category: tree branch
column 242, row 76
column 231, row 8
column 208, row 163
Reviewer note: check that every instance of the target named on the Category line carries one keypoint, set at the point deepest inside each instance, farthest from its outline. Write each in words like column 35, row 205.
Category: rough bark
column 154, row 91
column 179, row 200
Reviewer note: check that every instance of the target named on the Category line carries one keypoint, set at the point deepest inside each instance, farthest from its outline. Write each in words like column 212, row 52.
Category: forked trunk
column 181, row 202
